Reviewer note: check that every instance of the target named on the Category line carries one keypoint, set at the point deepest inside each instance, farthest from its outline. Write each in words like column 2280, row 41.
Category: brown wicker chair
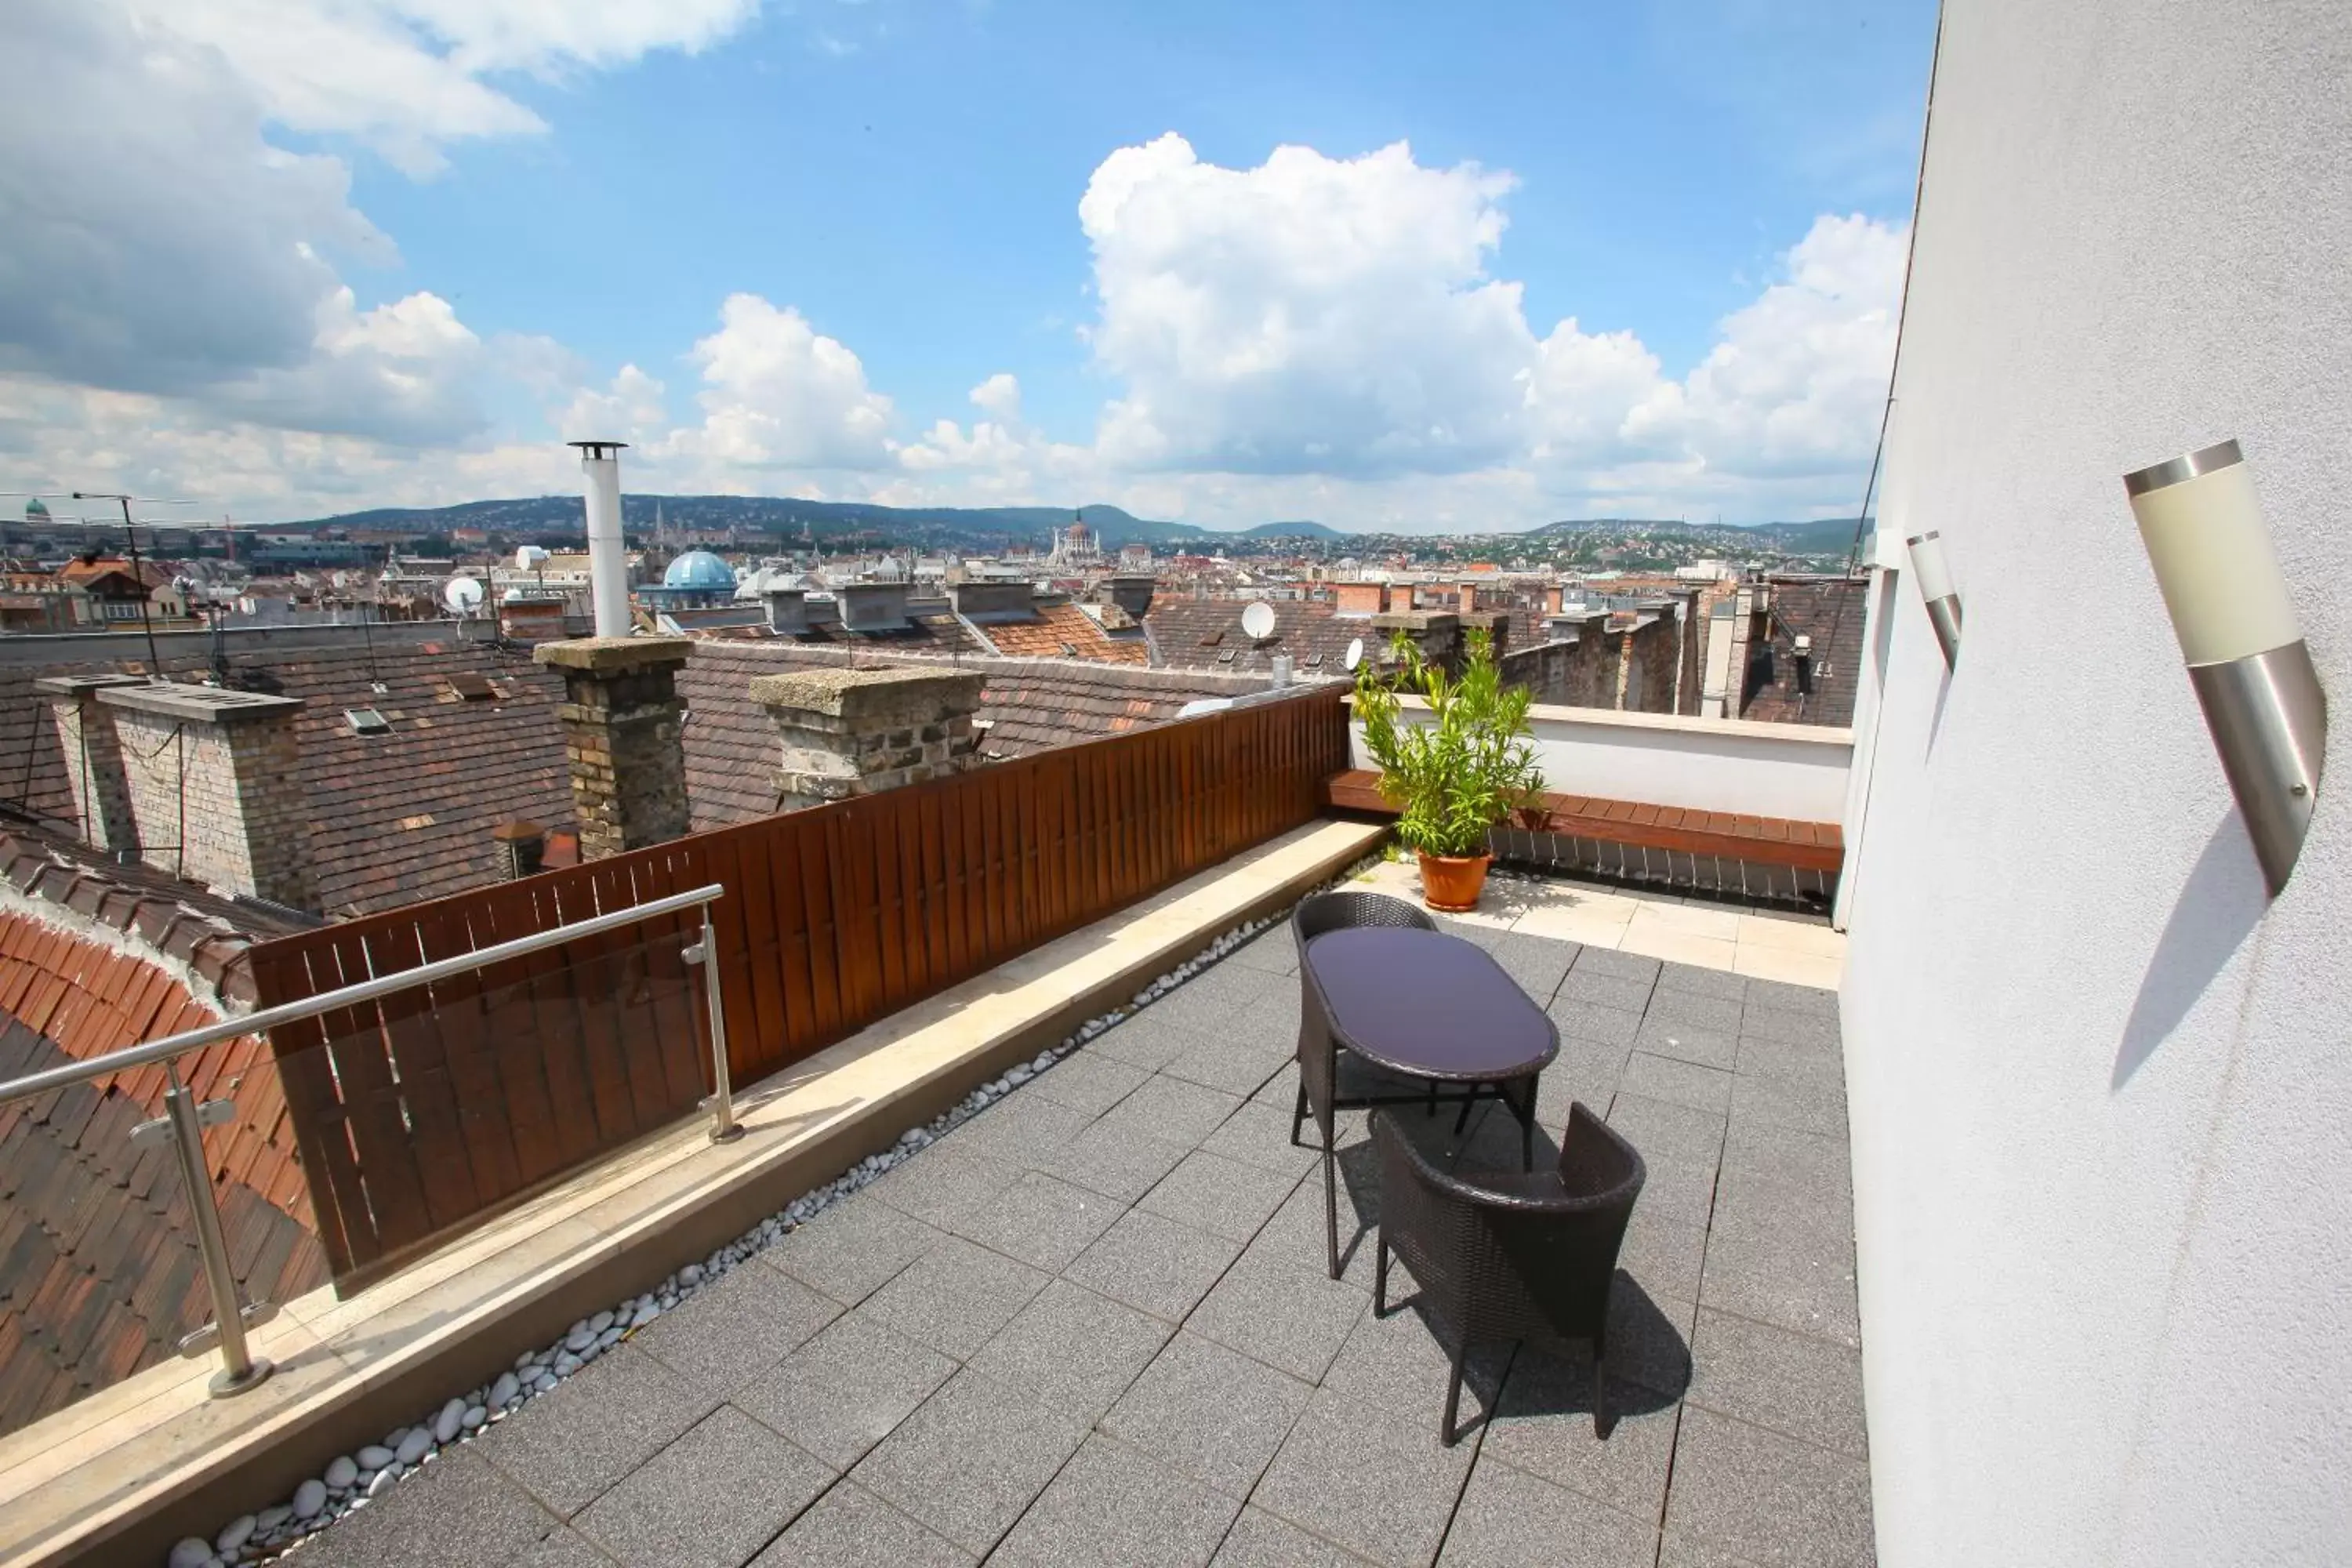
column 1319, row 1053
column 1503, row 1255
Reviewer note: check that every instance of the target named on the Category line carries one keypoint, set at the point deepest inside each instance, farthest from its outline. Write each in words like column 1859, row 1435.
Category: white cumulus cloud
column 407, row 77
column 1310, row 314
column 1342, row 317
column 778, row 394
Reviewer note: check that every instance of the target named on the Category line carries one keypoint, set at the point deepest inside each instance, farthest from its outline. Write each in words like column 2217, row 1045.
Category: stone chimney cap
column 84, row 684
column 609, row 656
column 913, row 695
column 204, row 704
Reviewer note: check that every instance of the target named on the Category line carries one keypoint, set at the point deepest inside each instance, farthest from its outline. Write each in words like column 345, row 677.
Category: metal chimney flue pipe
column 608, row 559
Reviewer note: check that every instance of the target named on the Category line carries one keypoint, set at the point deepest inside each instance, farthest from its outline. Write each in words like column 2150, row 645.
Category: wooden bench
column 1818, row 848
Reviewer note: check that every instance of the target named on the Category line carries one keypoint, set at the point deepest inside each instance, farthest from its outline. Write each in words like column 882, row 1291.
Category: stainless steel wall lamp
column 2248, row 663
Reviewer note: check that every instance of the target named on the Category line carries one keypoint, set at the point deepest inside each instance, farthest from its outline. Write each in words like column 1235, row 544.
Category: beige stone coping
column 118, row 1477
column 1544, row 713
column 606, row 656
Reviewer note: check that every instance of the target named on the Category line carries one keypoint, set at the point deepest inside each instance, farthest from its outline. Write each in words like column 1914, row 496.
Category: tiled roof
column 1206, row 634
column 1063, row 631
column 78, row 571
column 395, row 817
column 1831, row 611
column 732, row 750
column 1035, row 703
column 159, row 913
column 99, row 1270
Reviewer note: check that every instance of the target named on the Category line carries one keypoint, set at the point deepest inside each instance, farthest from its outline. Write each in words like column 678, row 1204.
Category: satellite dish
column 528, row 557
column 1258, row 620
column 463, row 596
column 1355, row 652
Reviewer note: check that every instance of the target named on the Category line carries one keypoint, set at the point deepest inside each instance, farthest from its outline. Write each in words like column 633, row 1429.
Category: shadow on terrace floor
column 1093, row 1326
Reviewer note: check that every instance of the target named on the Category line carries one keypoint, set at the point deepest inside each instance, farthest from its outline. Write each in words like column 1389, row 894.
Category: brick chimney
column 86, row 737
column 1359, row 598
column 624, row 737
column 858, row 731
column 1437, row 633
column 212, row 786
column 1554, row 597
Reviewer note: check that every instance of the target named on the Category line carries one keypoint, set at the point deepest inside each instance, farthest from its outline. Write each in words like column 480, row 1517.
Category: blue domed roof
column 700, row 569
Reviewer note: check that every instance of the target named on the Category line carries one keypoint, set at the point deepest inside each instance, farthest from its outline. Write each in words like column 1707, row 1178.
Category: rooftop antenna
column 367, row 635
column 131, row 537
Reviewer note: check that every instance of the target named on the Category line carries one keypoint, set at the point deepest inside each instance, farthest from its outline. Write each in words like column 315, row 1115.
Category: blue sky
column 782, row 245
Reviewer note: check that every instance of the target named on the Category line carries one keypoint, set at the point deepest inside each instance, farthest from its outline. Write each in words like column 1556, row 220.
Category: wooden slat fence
column 425, row 1112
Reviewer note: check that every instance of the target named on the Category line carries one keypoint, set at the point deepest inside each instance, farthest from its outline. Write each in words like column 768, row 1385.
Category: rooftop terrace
column 1090, row 1326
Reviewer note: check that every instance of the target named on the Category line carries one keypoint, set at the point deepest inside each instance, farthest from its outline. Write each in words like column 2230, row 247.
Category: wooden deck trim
column 1764, row 840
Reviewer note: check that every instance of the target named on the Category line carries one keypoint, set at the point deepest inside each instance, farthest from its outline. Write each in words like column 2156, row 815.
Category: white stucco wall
column 2101, row 1092
column 1796, row 770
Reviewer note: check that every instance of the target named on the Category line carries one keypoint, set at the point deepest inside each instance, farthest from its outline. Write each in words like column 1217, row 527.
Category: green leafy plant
column 1466, row 769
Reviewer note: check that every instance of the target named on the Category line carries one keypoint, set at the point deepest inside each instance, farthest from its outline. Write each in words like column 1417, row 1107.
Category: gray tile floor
column 1092, row 1327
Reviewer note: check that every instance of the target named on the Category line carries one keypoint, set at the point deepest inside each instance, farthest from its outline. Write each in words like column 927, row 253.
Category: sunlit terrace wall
column 2100, row 1088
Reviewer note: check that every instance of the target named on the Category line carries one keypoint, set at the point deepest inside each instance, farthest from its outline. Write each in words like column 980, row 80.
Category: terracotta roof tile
column 97, row 1277
column 1064, row 631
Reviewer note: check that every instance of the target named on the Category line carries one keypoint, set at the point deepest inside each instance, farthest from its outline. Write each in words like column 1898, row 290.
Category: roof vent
column 788, row 613
column 1131, row 592
column 873, row 606
column 367, row 722
column 994, row 603
column 470, row 687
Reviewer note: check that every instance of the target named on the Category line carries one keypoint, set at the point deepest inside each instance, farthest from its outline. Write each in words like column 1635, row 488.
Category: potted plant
column 1458, row 775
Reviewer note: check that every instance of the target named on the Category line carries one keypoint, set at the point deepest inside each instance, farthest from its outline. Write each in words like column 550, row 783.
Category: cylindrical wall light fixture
column 1943, row 601
column 608, row 559
column 2247, row 661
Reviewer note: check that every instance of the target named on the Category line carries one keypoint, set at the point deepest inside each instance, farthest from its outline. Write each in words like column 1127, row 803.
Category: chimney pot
column 522, row 848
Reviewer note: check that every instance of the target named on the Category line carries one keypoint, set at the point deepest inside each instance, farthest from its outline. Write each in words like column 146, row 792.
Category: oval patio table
column 1428, row 1007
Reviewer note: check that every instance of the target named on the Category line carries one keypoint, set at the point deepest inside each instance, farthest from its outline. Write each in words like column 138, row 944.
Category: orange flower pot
column 1453, row 882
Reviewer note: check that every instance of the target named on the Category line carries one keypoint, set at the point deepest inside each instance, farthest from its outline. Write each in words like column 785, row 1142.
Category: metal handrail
column 268, row 1018
column 184, row 1119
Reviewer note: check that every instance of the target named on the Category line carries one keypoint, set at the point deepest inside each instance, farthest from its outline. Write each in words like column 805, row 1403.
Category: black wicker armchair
column 1319, row 1053
column 1507, row 1255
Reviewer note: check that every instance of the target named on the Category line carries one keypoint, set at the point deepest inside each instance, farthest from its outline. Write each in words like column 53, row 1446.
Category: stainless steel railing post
column 705, row 954
column 239, row 1370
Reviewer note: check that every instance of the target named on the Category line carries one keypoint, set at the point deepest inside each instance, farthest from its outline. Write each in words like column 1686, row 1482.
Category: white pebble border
column 352, row 1480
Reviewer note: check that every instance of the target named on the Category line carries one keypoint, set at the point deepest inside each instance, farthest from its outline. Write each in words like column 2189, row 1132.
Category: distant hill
column 965, row 527
column 996, row 528
column 1292, row 531
column 1821, row 536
